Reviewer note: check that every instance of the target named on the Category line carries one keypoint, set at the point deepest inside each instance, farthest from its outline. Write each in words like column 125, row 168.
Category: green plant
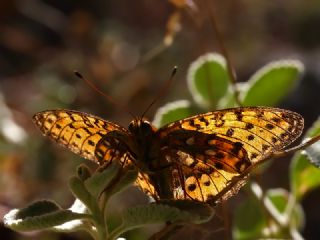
column 90, row 213
column 277, row 213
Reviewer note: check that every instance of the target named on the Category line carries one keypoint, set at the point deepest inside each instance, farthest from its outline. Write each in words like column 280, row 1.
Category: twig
column 224, row 53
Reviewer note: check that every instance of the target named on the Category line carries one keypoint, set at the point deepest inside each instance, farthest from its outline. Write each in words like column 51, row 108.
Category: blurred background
column 128, row 49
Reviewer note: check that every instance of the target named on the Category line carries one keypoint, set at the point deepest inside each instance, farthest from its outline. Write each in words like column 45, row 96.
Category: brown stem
column 224, row 53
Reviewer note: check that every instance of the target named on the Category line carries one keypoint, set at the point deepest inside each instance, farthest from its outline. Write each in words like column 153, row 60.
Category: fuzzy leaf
column 78, row 224
column 100, row 180
column 202, row 212
column 153, row 213
column 171, row 112
column 38, row 208
column 208, row 79
column 39, row 215
column 313, row 152
column 83, row 172
column 127, row 178
column 80, row 192
column 304, row 176
column 269, row 85
column 139, row 216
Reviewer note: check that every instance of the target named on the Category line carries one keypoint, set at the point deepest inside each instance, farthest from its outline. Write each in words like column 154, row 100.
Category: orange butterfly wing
column 209, row 150
column 83, row 134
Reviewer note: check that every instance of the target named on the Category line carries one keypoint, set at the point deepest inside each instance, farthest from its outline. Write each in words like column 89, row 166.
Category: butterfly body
column 195, row 158
column 145, row 144
column 148, row 154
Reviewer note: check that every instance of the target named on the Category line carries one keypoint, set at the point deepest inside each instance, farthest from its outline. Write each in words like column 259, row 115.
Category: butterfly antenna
column 106, row 96
column 162, row 91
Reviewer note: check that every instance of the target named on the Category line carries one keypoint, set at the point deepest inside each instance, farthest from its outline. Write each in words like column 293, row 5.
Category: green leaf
column 153, row 213
column 202, row 212
column 38, row 208
column 91, row 204
column 100, row 180
column 83, row 172
column 314, row 130
column 249, row 220
column 208, row 79
column 79, row 191
column 171, row 112
column 127, row 178
column 40, row 215
column 313, row 152
column 304, row 176
column 279, row 198
column 78, row 224
column 139, row 216
column 269, row 85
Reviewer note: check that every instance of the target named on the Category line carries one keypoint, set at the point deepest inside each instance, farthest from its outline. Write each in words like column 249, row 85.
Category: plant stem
column 224, row 53
column 102, row 233
column 280, row 219
column 117, row 232
column 99, row 220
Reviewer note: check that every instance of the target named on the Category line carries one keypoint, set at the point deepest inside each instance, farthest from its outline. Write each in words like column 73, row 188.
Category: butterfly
column 205, row 158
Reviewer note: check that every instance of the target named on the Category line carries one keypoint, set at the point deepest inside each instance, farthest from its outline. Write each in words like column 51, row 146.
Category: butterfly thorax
column 144, row 141
column 149, row 159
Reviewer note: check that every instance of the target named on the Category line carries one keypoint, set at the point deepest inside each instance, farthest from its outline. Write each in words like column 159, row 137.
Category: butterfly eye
column 132, row 127
column 145, row 127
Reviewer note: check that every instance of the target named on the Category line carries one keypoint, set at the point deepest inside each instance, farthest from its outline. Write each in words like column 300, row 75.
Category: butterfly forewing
column 83, row 134
column 210, row 149
column 261, row 130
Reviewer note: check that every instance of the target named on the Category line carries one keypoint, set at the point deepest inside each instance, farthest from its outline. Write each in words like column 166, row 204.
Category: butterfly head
column 141, row 127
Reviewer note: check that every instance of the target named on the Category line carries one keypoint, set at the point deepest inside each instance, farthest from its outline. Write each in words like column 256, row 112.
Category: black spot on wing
column 192, row 187
column 237, row 146
column 249, row 126
column 230, row 132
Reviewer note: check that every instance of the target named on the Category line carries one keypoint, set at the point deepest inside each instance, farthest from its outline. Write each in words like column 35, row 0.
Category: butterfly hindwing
column 145, row 184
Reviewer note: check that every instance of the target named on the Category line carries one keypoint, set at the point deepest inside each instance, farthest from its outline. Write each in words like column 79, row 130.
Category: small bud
column 83, row 172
